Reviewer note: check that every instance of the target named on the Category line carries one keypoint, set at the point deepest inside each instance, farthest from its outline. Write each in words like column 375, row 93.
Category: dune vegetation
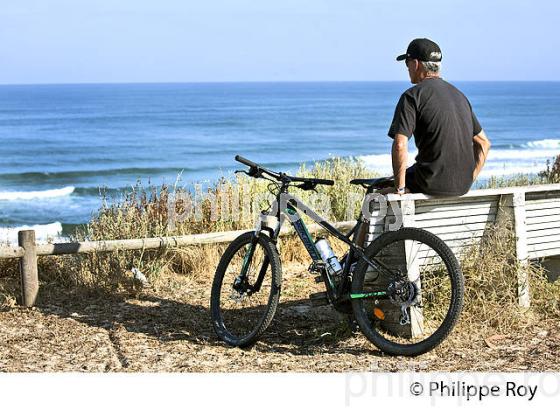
column 490, row 268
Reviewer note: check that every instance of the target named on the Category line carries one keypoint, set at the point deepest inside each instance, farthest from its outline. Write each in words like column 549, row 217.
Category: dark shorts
column 410, row 180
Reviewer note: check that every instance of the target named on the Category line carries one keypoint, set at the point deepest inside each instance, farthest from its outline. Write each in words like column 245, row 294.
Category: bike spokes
column 246, row 289
column 417, row 301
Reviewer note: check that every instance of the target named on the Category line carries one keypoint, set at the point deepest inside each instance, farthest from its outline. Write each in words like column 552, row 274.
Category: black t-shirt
column 443, row 124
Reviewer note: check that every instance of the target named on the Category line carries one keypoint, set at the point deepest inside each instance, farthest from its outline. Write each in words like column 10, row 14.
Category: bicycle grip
column 245, row 161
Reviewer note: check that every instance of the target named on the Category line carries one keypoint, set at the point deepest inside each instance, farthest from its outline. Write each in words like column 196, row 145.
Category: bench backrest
column 462, row 221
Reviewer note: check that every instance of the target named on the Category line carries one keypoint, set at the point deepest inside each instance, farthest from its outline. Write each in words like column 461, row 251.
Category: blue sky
column 71, row 41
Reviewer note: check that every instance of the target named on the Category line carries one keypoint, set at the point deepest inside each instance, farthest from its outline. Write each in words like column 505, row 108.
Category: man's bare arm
column 481, row 146
column 399, row 155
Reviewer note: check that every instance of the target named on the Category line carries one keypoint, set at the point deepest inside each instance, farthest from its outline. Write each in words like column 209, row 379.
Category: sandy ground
column 169, row 329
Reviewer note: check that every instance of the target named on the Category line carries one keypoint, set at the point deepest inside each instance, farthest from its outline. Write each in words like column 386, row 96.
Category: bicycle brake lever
column 253, row 172
column 242, row 171
column 257, row 173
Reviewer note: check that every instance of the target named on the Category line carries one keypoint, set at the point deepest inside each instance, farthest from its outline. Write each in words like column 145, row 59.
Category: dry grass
column 145, row 212
column 490, row 271
column 552, row 172
column 9, row 285
column 168, row 328
column 515, row 180
column 171, row 317
column 551, row 175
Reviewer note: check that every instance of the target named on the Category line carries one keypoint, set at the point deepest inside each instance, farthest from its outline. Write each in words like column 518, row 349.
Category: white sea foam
column 500, row 162
column 43, row 233
column 526, row 155
column 27, row 195
column 546, row 143
column 382, row 162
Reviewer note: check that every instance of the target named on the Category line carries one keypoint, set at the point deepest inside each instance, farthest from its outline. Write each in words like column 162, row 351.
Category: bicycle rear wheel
column 246, row 289
column 413, row 300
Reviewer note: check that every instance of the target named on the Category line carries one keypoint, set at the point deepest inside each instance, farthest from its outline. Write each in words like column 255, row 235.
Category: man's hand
column 392, row 190
column 481, row 146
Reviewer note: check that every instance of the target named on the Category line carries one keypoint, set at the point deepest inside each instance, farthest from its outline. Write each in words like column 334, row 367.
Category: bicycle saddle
column 374, row 183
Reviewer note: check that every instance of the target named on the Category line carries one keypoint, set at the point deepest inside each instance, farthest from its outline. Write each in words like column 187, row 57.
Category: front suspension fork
column 268, row 223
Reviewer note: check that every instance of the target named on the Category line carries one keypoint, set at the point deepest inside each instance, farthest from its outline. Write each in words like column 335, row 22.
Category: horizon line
column 259, row 81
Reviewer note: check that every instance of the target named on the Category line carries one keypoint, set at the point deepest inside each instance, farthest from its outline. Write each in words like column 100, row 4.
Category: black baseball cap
column 422, row 49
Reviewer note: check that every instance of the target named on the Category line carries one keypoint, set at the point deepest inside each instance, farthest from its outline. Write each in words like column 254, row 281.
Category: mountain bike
column 404, row 289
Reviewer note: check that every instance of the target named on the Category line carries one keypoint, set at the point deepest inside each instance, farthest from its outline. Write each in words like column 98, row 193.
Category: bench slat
column 543, row 219
column 543, row 232
column 455, row 245
column 543, row 253
column 451, row 222
column 542, row 226
column 460, row 235
column 455, row 200
column 532, row 213
column 458, row 250
column 473, row 227
column 448, row 221
column 452, row 213
column 544, row 246
column 543, row 239
column 459, row 238
column 455, row 207
column 530, row 206
column 470, row 229
column 547, row 195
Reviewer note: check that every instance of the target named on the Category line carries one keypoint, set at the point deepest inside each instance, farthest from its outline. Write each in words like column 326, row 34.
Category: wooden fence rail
column 28, row 251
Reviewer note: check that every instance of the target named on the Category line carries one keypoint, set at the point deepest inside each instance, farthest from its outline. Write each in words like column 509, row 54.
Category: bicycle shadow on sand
column 298, row 328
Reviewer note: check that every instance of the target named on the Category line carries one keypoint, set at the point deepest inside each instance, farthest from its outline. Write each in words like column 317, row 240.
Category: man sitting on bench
column 452, row 146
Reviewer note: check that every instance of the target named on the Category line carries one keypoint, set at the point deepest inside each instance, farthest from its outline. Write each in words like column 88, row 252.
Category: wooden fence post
column 28, row 268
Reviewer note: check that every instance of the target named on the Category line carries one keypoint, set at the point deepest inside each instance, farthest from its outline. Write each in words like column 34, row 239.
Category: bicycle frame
column 287, row 205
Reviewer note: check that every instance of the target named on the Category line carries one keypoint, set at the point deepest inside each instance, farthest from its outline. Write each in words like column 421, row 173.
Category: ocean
column 61, row 143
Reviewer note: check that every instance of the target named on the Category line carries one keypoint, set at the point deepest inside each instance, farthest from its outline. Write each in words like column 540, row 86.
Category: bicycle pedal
column 319, row 299
column 319, row 279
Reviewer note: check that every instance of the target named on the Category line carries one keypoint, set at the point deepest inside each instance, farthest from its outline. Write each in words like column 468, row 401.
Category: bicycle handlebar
column 314, row 180
column 245, row 161
column 257, row 169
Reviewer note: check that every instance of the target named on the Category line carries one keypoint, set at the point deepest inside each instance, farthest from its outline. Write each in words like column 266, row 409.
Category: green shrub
column 552, row 172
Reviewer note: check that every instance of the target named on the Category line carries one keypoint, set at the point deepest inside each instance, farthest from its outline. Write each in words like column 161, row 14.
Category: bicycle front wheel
column 411, row 301
column 246, row 289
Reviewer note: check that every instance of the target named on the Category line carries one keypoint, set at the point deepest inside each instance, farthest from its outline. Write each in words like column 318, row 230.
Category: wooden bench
column 534, row 212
